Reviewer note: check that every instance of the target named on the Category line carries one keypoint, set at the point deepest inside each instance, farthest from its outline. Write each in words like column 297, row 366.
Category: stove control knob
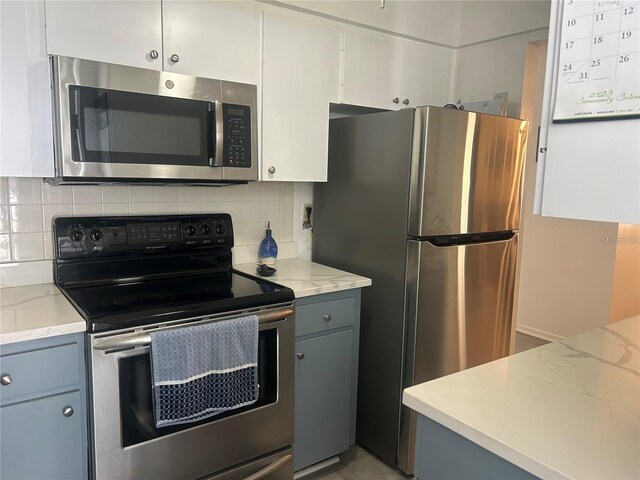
column 96, row 235
column 75, row 235
column 221, row 229
column 190, row 231
column 205, row 229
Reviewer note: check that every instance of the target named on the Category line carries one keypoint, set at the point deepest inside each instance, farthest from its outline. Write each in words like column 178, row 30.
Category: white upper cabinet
column 371, row 69
column 209, row 39
column 26, row 144
column 424, row 74
column 123, row 32
column 300, row 77
column 387, row 72
column 212, row 39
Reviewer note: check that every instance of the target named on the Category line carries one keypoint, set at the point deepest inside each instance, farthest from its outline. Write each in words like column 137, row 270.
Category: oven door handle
column 272, row 467
column 143, row 340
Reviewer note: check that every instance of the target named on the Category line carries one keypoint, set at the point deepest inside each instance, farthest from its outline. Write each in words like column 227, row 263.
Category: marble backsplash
column 28, row 204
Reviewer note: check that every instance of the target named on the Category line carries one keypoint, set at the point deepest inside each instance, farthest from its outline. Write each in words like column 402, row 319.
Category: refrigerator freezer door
column 466, row 172
column 459, row 314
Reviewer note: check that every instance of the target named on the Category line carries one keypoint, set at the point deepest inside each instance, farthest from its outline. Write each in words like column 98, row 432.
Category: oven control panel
column 80, row 237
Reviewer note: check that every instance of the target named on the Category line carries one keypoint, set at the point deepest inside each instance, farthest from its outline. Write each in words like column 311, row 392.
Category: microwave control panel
column 237, row 135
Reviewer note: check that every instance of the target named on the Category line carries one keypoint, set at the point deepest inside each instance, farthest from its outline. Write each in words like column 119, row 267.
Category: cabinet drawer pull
column 272, row 170
column 300, row 356
column 5, row 379
column 396, row 100
column 154, row 54
column 67, row 411
column 174, row 58
column 405, row 101
column 327, row 317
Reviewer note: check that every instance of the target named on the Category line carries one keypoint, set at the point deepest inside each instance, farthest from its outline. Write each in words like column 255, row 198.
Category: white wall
column 625, row 294
column 451, row 22
column 434, row 21
column 489, row 19
column 492, row 67
column 566, row 266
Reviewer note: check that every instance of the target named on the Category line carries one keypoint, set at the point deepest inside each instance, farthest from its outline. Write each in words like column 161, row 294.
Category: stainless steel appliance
column 115, row 123
column 425, row 202
column 130, row 275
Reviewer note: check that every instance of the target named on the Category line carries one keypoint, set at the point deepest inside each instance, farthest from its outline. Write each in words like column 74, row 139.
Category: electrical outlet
column 307, row 213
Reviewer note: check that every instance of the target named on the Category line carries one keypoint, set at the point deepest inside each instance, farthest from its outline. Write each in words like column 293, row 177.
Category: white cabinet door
column 26, row 144
column 123, row 32
column 424, row 74
column 370, row 69
column 300, row 77
column 213, row 39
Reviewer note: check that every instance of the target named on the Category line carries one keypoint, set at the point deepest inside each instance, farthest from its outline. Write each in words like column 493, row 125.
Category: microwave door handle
column 77, row 124
column 218, row 134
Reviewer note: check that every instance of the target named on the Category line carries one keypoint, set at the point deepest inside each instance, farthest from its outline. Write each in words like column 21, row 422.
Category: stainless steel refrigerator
column 425, row 202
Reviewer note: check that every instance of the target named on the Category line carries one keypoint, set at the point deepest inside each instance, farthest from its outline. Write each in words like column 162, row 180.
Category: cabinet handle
column 67, row 411
column 405, row 101
column 272, row 169
column 300, row 356
column 154, row 54
column 174, row 58
column 396, row 100
column 5, row 379
column 327, row 317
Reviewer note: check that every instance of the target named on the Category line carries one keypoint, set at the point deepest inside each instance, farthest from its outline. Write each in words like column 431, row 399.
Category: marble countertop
column 569, row 409
column 306, row 278
column 36, row 311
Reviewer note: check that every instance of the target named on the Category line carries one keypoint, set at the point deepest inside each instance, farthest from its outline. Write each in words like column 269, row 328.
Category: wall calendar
column 599, row 61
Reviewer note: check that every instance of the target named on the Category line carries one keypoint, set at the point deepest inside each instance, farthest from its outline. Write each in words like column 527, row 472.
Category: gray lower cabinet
column 43, row 427
column 327, row 337
column 444, row 454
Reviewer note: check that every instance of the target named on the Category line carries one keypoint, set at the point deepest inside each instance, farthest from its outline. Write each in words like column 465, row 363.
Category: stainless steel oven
column 130, row 276
column 249, row 443
column 115, row 123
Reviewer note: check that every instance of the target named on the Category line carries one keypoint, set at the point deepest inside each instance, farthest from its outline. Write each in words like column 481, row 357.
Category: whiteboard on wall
column 588, row 170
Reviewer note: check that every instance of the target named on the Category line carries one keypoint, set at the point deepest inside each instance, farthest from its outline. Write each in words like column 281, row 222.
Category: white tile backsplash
column 26, row 218
column 5, row 248
column 5, row 222
column 27, row 206
column 27, row 246
column 50, row 211
column 24, row 191
column 141, row 194
column 117, row 194
column 52, row 194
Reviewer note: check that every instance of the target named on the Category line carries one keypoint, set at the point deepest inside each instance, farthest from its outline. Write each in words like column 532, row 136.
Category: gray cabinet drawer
column 39, row 442
column 39, row 371
column 324, row 315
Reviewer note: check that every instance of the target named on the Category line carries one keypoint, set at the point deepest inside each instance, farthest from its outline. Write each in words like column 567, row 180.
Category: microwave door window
column 123, row 127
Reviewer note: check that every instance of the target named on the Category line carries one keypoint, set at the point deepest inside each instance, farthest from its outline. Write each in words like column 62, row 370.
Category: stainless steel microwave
column 114, row 123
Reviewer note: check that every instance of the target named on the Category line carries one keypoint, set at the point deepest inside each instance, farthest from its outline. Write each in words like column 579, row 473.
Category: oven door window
column 137, row 421
column 109, row 126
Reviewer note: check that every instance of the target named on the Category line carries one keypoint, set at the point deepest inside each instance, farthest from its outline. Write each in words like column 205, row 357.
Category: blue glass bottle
column 268, row 251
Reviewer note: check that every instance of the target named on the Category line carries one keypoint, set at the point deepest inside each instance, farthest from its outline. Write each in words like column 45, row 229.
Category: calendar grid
column 597, row 73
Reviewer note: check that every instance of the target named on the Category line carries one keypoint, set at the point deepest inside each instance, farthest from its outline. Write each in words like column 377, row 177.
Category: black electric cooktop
column 124, row 272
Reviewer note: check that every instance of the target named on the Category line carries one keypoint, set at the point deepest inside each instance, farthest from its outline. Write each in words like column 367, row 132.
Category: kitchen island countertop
column 568, row 409
column 307, row 278
column 36, row 311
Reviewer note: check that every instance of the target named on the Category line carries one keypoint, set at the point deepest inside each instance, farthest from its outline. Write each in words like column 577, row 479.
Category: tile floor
column 359, row 464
